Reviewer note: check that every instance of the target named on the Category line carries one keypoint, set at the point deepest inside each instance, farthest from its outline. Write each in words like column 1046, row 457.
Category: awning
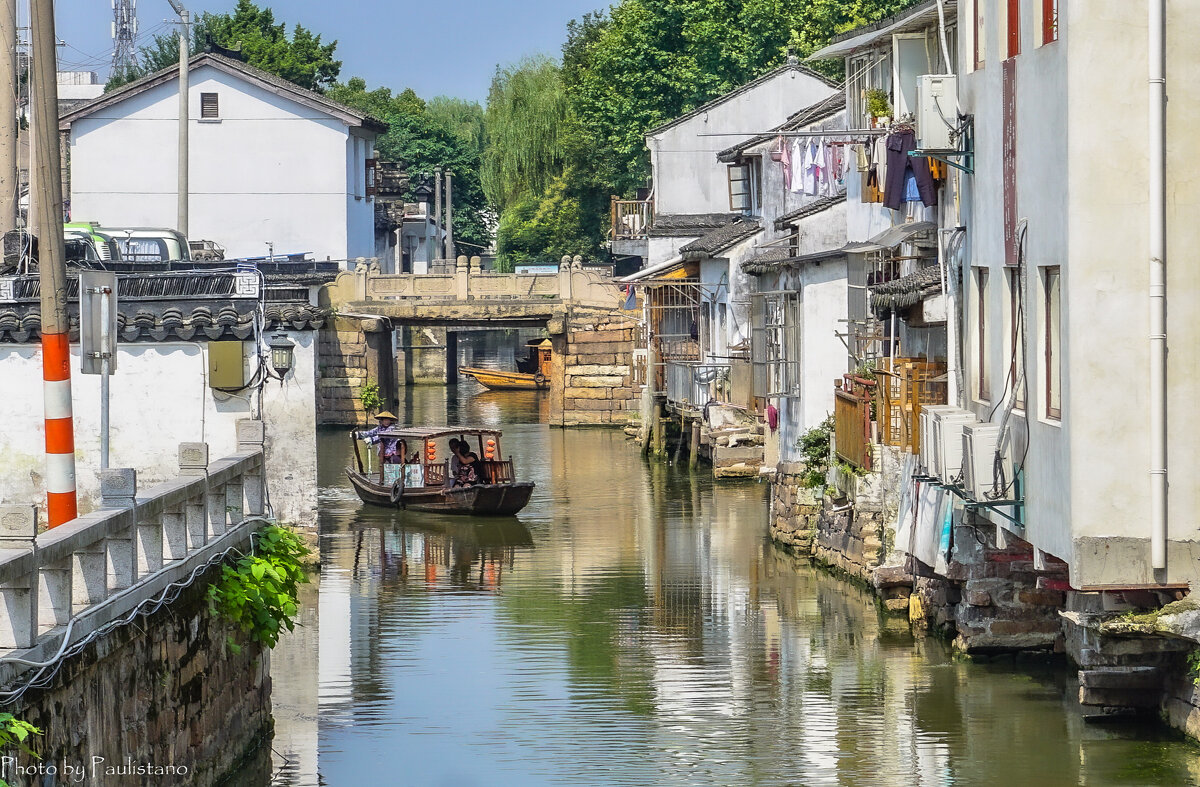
column 660, row 271
column 860, row 38
column 891, row 237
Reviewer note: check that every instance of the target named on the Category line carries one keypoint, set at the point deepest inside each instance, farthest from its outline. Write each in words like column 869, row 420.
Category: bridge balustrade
column 59, row 586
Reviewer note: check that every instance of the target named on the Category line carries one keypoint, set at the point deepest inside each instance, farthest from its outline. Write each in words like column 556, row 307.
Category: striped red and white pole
column 47, row 186
column 61, row 503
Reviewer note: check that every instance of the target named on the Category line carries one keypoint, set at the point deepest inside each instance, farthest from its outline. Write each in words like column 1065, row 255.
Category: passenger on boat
column 389, row 447
column 456, row 446
column 467, row 473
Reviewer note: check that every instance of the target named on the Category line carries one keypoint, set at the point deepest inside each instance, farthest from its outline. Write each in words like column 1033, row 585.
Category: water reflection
column 634, row 627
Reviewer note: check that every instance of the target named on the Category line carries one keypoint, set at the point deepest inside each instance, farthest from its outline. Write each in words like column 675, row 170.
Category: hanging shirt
column 860, row 157
column 812, row 170
column 880, row 156
column 785, row 159
column 798, row 168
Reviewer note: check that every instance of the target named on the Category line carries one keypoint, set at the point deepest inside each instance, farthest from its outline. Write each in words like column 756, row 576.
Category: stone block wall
column 166, row 692
column 592, row 382
column 794, row 509
column 351, row 353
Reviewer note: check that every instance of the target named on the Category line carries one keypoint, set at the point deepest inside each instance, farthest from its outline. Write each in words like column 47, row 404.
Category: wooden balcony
column 852, row 420
column 905, row 386
column 631, row 219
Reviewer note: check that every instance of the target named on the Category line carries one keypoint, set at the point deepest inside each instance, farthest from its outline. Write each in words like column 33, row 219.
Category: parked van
column 87, row 244
column 149, row 244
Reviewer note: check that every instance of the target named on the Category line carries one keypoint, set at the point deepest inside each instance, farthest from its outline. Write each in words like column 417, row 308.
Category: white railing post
column 462, row 276
column 193, row 463
column 564, row 279
column 19, row 598
column 250, row 436
column 118, row 490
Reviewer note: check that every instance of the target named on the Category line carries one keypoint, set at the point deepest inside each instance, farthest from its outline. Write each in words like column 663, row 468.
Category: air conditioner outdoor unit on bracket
column 980, row 443
column 947, row 430
column 937, row 111
column 925, row 423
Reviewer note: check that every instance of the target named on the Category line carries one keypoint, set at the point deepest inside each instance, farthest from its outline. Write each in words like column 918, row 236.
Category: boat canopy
column 434, row 432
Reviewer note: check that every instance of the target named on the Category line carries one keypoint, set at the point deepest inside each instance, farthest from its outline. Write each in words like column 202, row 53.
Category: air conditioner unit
column 937, row 111
column 925, row 423
column 979, row 444
column 947, row 431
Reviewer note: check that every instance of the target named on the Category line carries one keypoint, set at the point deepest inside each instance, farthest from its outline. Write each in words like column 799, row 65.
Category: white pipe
column 1158, row 285
column 942, row 36
column 107, row 345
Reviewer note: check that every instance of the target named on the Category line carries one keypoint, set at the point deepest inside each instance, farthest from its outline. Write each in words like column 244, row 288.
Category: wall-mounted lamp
column 282, row 354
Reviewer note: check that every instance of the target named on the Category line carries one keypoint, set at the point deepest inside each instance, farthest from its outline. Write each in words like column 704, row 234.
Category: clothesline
column 844, row 132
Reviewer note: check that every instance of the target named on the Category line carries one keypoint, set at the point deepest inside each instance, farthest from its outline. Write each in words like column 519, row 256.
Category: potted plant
column 878, row 105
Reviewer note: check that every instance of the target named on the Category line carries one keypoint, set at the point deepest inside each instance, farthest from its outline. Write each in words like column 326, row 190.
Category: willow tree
column 526, row 109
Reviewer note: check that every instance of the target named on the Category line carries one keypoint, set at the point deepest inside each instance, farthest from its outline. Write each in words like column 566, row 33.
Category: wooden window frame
column 741, row 164
column 1049, row 21
column 1015, row 338
column 205, row 99
column 979, row 33
column 1012, row 28
column 982, row 276
column 1049, row 319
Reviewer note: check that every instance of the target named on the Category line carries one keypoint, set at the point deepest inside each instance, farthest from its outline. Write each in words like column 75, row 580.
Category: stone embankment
column 593, row 379
column 353, row 353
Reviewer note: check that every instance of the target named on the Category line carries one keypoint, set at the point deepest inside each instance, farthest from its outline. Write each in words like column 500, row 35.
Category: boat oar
column 354, row 442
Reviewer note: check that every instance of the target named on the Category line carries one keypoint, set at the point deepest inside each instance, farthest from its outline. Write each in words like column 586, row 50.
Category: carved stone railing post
column 564, row 279
column 193, row 463
column 462, row 276
column 118, row 489
column 250, row 436
column 361, row 271
column 18, row 598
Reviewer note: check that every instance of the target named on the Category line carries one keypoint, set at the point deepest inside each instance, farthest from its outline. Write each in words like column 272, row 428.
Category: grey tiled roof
column 269, row 81
column 809, row 209
column 907, row 290
column 776, row 258
column 815, row 113
column 722, row 238
column 684, row 224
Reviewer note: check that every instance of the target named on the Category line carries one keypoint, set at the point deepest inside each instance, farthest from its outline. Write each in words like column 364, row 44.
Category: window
column 1052, row 340
column 740, row 191
column 209, row 109
column 980, row 32
column 372, row 165
column 776, row 320
column 1013, row 27
column 1016, row 336
column 981, row 317
column 1049, row 21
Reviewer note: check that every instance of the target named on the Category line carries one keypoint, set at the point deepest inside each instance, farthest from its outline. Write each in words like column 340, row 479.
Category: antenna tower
column 124, row 35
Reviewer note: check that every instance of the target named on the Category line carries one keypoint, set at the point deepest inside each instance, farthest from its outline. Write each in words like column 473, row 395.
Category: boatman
column 389, row 447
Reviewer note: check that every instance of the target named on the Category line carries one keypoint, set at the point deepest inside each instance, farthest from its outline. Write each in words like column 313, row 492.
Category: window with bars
column 775, row 324
column 209, row 107
column 982, row 392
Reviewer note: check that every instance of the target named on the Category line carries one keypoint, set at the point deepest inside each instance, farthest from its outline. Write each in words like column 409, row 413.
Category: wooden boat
column 532, row 374
column 423, row 485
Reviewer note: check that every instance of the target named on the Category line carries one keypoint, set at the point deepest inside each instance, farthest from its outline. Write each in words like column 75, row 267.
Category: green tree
column 443, row 133
column 264, row 43
column 644, row 62
column 525, row 113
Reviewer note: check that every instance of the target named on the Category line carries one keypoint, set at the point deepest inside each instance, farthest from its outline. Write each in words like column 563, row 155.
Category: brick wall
column 592, row 378
column 352, row 352
column 167, row 691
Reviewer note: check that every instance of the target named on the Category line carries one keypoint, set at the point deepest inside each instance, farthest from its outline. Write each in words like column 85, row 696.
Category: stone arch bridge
column 393, row 329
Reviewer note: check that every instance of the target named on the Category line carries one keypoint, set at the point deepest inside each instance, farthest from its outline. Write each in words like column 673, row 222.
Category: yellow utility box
column 226, row 364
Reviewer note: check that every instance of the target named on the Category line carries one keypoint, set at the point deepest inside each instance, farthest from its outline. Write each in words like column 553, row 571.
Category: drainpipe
column 1158, row 285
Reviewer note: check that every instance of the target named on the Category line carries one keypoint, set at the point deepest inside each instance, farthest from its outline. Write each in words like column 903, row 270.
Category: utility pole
column 450, row 216
column 439, row 248
column 56, row 352
column 10, row 187
column 185, row 18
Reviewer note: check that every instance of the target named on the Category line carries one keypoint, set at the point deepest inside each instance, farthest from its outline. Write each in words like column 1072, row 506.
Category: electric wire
column 49, row 669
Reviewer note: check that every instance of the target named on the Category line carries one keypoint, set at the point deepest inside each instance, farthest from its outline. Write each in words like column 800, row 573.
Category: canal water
column 634, row 626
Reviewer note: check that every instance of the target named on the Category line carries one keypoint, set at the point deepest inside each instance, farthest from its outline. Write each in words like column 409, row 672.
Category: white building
column 1059, row 245
column 270, row 162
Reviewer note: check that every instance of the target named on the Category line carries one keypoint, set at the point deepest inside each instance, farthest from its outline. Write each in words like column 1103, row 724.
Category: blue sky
column 436, row 47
